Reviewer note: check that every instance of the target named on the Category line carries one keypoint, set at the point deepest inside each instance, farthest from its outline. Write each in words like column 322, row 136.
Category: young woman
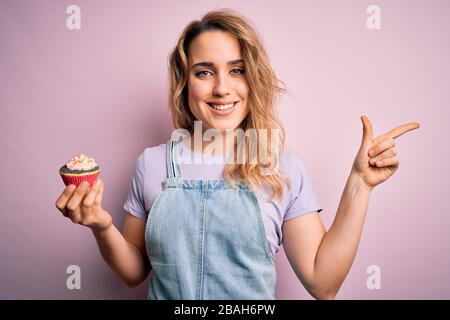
column 210, row 229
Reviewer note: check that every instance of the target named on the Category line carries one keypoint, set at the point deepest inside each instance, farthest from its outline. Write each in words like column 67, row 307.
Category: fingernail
column 96, row 184
column 71, row 187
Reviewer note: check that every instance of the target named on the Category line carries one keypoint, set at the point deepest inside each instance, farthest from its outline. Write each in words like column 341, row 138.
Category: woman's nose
column 221, row 86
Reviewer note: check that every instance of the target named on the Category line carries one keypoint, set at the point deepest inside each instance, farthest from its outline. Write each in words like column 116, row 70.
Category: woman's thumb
column 367, row 132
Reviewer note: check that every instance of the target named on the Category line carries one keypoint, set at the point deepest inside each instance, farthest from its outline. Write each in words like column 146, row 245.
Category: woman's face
column 217, row 86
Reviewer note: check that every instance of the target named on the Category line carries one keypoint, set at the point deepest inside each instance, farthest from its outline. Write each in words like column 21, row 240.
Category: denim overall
column 205, row 240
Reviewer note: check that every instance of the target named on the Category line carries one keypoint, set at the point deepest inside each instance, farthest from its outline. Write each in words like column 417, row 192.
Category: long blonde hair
column 264, row 87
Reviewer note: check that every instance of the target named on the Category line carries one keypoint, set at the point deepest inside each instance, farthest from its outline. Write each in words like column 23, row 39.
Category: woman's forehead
column 217, row 47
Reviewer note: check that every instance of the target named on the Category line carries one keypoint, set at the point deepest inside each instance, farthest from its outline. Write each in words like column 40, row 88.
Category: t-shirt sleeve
column 135, row 201
column 302, row 197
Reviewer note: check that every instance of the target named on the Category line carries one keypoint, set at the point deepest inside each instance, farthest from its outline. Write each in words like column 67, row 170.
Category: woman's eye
column 237, row 71
column 241, row 71
column 201, row 73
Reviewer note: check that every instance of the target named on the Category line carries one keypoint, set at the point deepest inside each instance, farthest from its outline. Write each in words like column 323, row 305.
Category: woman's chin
column 223, row 127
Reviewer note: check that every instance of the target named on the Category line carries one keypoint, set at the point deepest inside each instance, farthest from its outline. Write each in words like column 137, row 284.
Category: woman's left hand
column 375, row 168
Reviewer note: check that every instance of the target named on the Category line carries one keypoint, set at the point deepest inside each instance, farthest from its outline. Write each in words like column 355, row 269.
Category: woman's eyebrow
column 210, row 64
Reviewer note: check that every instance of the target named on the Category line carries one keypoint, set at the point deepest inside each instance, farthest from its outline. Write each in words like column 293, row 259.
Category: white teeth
column 222, row 106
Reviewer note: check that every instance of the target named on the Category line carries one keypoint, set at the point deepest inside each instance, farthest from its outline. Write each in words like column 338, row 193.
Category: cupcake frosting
column 81, row 162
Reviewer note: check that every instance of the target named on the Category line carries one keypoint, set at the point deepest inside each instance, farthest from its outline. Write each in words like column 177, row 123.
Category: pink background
column 102, row 90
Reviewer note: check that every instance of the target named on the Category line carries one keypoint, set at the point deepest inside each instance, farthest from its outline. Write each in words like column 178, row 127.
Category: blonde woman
column 210, row 229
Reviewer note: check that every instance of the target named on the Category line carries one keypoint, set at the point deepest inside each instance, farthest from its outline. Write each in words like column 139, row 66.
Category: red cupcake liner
column 78, row 179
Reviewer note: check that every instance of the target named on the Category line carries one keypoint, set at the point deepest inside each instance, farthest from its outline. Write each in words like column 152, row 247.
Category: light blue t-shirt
column 150, row 171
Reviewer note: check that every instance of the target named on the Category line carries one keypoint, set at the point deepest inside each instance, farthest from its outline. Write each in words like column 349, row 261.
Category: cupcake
column 78, row 169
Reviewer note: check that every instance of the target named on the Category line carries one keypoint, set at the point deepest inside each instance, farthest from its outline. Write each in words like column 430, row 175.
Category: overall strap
column 173, row 166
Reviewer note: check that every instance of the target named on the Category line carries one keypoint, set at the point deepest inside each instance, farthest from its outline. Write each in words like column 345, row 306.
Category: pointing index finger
column 397, row 132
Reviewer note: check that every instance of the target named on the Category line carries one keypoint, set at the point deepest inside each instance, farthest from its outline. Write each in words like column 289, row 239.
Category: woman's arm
column 322, row 259
column 125, row 254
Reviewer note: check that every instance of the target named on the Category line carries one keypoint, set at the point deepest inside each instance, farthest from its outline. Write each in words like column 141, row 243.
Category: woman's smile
column 223, row 109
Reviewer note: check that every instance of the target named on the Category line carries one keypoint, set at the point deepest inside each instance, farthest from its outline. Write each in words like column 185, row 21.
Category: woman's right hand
column 83, row 205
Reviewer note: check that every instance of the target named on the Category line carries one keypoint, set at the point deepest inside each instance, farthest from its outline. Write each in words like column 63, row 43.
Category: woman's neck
column 218, row 145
